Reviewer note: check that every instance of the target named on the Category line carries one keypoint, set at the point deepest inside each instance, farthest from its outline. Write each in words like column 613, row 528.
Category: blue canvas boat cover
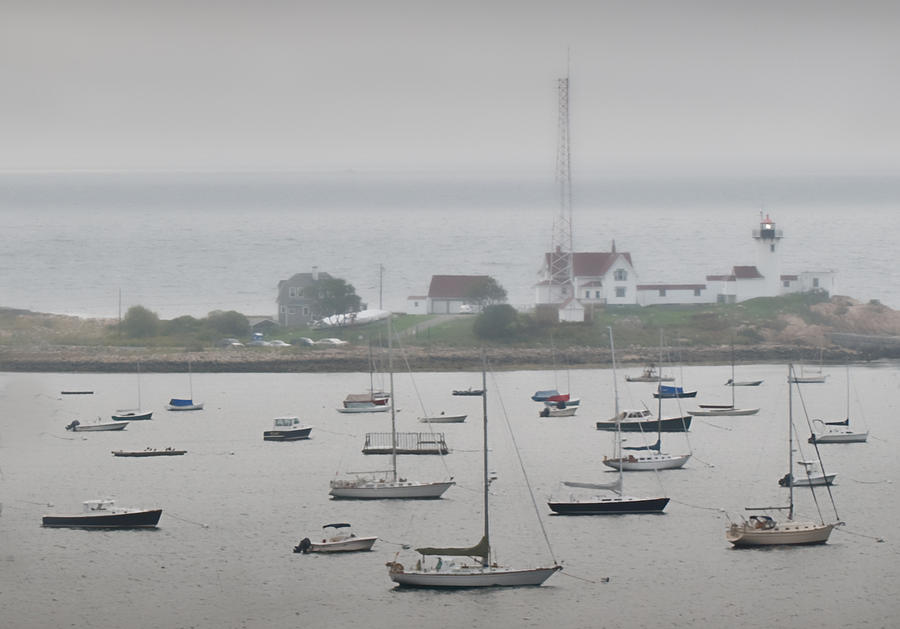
column 179, row 402
column 540, row 396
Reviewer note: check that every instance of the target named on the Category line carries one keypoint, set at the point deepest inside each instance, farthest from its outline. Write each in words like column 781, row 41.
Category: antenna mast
column 561, row 271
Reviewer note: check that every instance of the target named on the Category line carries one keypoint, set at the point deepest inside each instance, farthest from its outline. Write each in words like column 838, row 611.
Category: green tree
column 231, row 323
column 485, row 292
column 140, row 322
column 333, row 296
column 500, row 321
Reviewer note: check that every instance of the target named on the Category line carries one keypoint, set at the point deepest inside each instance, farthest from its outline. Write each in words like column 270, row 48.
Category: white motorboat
column 813, row 476
column 338, row 538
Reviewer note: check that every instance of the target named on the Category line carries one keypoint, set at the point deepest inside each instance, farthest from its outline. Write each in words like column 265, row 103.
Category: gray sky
column 657, row 87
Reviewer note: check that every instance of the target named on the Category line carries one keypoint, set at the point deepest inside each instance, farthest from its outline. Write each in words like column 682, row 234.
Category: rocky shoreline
column 356, row 359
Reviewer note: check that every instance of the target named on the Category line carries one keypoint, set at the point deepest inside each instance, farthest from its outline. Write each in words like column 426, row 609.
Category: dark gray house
column 294, row 305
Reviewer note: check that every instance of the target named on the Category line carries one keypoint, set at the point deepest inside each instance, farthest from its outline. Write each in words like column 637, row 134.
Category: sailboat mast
column 485, row 561
column 618, row 454
column 393, row 404
column 139, row 384
column 732, row 373
column 790, row 444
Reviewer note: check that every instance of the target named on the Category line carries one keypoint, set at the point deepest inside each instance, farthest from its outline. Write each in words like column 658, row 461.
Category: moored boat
column 287, row 429
column 77, row 426
column 149, row 452
column 642, row 420
column 183, row 404
column 132, row 415
column 103, row 514
column 338, row 539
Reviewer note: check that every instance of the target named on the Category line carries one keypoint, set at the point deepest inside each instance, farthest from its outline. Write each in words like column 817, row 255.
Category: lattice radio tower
column 561, row 271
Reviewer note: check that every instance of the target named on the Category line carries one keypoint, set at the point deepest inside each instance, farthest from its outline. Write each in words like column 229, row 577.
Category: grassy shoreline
column 767, row 330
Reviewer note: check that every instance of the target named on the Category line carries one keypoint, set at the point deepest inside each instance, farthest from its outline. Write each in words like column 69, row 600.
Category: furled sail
column 481, row 549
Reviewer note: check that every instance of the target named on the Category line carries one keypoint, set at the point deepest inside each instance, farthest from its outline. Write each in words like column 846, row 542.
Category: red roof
column 746, row 273
column 453, row 286
column 592, row 264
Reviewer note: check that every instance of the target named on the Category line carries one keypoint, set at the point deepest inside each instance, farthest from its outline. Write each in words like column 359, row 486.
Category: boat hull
column 374, row 408
column 145, row 453
column 609, row 506
column 129, row 520
column 187, row 407
column 669, row 396
column 98, row 427
column 669, row 424
column 287, row 435
column 444, row 419
column 839, row 437
column 724, row 412
column 471, row 577
column 353, row 544
column 647, row 463
column 795, row 533
column 133, row 416
column 375, row 490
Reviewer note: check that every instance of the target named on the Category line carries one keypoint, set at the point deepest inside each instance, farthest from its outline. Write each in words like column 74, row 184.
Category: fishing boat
column 837, row 431
column 134, row 414
column 764, row 530
column 615, row 504
column 650, row 374
column 77, row 426
column 391, row 486
column 287, row 429
column 186, row 404
column 484, row 573
column 338, row 539
column 103, row 514
column 149, row 452
column 642, row 420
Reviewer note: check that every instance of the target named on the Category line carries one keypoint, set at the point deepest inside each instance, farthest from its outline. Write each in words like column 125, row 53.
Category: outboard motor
column 303, row 546
column 74, row 423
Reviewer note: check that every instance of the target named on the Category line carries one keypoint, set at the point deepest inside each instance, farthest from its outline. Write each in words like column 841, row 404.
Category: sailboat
column 135, row 413
column 814, row 376
column 838, row 431
column 556, row 404
column 616, row 504
column 484, row 573
column 764, row 530
column 392, row 487
column 373, row 401
column 186, row 404
column 728, row 410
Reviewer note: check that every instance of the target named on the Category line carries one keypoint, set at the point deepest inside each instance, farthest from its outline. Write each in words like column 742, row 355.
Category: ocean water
column 190, row 244
column 234, row 506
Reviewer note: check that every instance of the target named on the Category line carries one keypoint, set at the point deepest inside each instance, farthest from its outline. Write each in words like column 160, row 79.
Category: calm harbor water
column 234, row 506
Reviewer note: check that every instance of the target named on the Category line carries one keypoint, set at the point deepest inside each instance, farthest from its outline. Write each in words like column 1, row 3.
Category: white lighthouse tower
column 768, row 254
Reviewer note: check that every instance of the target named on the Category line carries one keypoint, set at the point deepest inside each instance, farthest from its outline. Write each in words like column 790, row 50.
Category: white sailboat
column 392, row 486
column 186, row 404
column 484, row 573
column 647, row 457
column 837, row 431
column 728, row 410
column 130, row 414
column 615, row 504
column 764, row 530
